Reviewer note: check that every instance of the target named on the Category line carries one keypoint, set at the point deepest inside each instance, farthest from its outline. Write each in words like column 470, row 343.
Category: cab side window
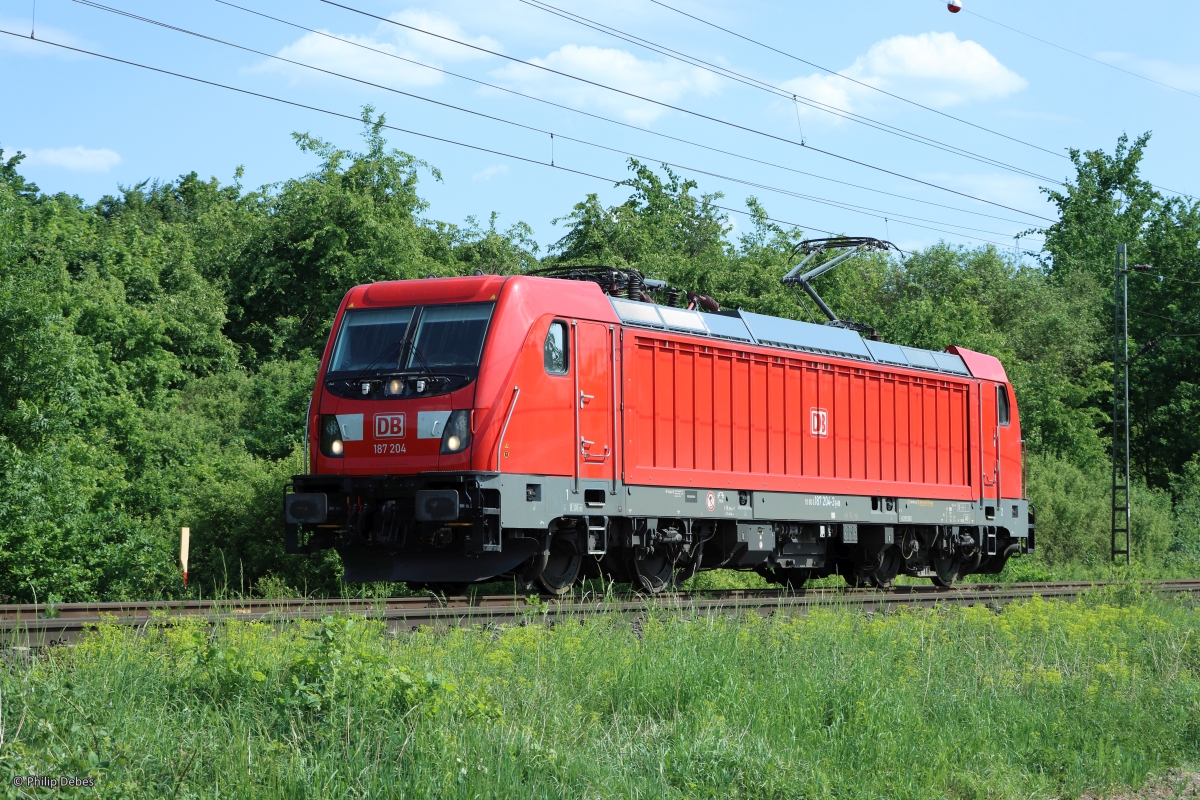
column 555, row 349
column 1002, row 404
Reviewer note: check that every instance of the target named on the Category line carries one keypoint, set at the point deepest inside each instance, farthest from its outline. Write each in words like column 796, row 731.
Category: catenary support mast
column 1120, row 436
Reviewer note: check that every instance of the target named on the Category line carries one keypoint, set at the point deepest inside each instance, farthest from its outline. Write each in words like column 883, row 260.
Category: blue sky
column 89, row 125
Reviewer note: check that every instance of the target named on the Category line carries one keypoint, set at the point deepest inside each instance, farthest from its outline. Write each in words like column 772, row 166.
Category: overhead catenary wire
column 1097, row 61
column 424, row 135
column 1158, row 277
column 359, row 119
column 1076, row 53
column 1168, row 319
column 863, row 84
column 610, row 120
column 741, row 78
column 689, row 112
column 825, row 201
column 909, row 101
column 769, row 88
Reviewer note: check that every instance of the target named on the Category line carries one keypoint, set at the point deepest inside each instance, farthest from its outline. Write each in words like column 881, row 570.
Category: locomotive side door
column 594, row 444
column 989, row 441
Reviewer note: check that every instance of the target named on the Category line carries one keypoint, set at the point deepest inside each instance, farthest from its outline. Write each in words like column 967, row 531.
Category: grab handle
column 504, row 430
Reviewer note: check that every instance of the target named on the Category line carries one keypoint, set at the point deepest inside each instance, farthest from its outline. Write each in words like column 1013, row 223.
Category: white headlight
column 457, row 433
column 336, row 447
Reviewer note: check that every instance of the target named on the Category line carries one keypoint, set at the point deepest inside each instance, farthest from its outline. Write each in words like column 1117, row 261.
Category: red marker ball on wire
column 954, row 6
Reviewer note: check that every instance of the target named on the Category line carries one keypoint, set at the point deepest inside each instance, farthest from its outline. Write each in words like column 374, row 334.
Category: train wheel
column 884, row 575
column 561, row 570
column 970, row 564
column 792, row 579
column 947, row 568
column 652, row 574
column 851, row 573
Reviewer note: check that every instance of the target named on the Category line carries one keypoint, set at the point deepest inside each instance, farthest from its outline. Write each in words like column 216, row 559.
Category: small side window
column 555, row 350
column 1002, row 404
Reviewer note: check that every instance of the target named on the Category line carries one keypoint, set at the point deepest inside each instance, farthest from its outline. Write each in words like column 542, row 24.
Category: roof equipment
column 629, row 284
column 853, row 245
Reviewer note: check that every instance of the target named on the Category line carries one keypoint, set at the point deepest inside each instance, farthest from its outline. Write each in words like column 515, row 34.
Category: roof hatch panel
column 727, row 327
column 633, row 311
column 797, row 335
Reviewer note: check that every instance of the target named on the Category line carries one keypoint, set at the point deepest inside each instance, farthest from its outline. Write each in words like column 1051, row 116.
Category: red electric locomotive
column 550, row 429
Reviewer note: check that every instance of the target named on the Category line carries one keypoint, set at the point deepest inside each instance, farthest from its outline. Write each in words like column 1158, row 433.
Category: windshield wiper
column 363, row 372
column 427, row 368
column 416, row 352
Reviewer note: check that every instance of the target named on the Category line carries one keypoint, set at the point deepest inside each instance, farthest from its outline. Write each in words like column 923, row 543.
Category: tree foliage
column 160, row 345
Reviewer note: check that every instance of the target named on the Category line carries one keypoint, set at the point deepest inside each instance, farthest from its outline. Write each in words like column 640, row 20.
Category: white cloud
column 331, row 53
column 341, row 57
column 666, row 81
column 444, row 26
column 1181, row 76
column 76, row 159
column 933, row 68
column 493, row 171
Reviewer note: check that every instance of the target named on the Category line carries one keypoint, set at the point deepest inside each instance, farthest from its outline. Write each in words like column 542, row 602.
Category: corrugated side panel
column 717, row 415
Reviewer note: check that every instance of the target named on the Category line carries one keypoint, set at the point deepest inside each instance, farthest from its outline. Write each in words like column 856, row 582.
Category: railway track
column 33, row 627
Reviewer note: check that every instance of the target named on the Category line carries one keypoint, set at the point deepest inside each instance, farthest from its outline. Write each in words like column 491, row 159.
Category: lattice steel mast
column 1120, row 437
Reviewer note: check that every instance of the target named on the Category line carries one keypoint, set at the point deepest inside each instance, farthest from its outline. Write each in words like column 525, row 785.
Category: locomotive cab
column 415, row 389
column 463, row 429
column 398, row 367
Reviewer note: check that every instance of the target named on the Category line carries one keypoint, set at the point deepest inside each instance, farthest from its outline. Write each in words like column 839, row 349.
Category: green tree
column 1109, row 203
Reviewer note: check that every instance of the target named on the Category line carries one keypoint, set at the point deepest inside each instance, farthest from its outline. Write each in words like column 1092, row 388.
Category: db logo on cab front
column 389, row 426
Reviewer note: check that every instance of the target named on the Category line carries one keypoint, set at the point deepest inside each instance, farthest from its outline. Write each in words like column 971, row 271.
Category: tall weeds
column 1045, row 699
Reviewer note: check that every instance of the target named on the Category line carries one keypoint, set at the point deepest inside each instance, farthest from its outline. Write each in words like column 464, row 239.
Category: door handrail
column 574, row 344
column 504, row 430
column 613, row 434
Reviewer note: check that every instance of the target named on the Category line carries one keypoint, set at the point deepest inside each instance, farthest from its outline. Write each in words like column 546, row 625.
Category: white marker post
column 185, row 535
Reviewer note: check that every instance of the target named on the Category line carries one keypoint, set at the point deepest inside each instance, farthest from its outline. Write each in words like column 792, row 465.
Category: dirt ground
column 1176, row 785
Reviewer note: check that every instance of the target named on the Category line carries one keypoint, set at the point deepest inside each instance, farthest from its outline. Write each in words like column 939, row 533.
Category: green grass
column 1018, row 569
column 1043, row 700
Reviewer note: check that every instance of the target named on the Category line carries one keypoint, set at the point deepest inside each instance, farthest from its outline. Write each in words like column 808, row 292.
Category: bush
column 1073, row 511
column 1185, row 531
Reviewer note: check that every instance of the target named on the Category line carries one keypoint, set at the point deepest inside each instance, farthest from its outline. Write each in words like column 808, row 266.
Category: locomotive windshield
column 450, row 336
column 431, row 340
column 371, row 338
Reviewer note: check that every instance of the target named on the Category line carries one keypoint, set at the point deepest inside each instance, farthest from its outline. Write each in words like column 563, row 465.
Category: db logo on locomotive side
column 389, row 426
column 819, row 422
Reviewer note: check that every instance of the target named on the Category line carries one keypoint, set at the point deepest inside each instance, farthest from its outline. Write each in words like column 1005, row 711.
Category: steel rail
column 33, row 627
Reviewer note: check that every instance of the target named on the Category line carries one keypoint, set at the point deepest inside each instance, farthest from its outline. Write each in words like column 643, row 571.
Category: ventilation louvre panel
column 726, row 327
column 641, row 313
column 887, row 353
column 949, row 362
column 796, row 335
column 785, row 333
column 681, row 319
